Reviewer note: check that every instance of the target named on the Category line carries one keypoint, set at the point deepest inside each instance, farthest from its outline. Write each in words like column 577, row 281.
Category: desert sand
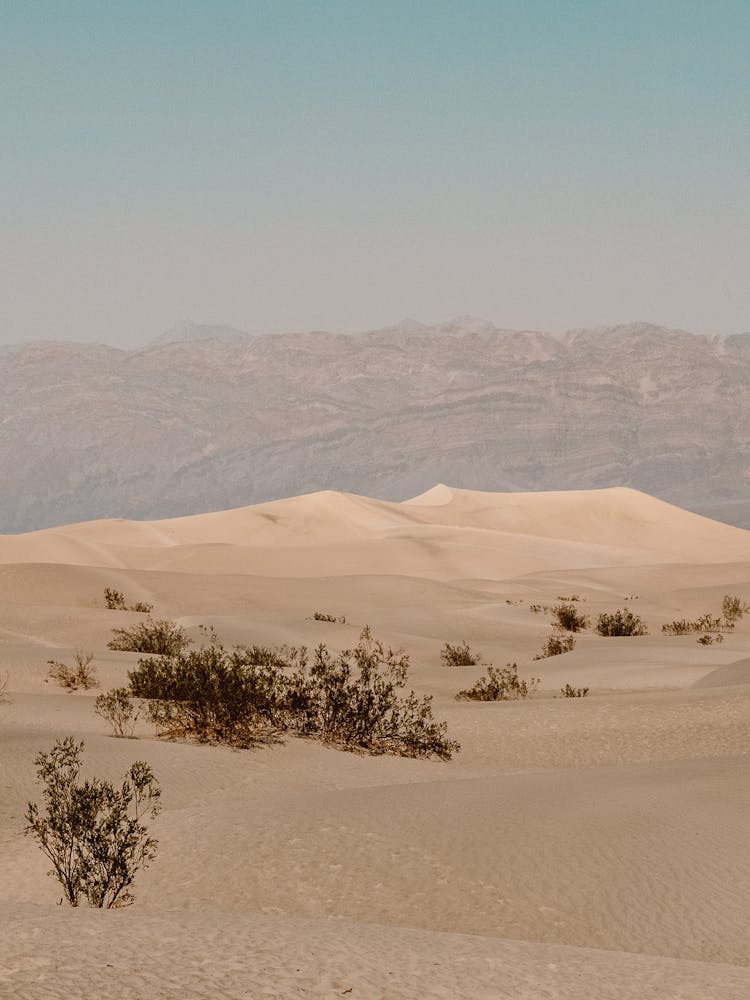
column 575, row 848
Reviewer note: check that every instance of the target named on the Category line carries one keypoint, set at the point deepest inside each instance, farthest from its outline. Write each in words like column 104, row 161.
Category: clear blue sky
column 294, row 165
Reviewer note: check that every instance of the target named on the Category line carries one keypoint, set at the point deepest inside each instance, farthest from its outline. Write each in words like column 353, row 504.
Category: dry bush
column 619, row 623
column 81, row 675
column 573, row 597
column 706, row 623
column 733, row 608
column 556, row 645
column 573, row 692
column 708, row 640
column 115, row 601
column 159, row 636
column 92, row 832
column 322, row 616
column 569, row 618
column 459, row 655
column 4, row 687
column 500, row 685
column 117, row 708
column 241, row 696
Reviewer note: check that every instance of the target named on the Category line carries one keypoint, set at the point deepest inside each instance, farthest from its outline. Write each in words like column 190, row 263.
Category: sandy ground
column 583, row 848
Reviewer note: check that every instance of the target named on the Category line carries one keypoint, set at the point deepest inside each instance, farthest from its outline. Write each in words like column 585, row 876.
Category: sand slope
column 574, row 848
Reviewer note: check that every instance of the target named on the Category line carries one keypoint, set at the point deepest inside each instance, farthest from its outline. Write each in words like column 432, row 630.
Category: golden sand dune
column 583, row 848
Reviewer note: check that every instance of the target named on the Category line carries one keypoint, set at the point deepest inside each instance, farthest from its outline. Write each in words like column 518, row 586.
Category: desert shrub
column 214, row 695
column 732, row 609
column 555, row 645
column 706, row 623
column 114, row 599
column 620, row 622
column 238, row 697
column 91, row 831
column 573, row 597
column 118, row 709
column 708, row 639
column 568, row 618
column 500, row 685
column 158, row 636
column 81, row 675
column 321, row 616
column 459, row 655
column 4, row 686
column 573, row 692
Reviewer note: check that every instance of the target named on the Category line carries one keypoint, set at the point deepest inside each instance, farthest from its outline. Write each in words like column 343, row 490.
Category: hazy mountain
column 209, row 420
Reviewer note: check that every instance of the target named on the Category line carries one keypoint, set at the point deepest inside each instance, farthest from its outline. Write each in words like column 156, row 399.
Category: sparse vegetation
column 556, row 645
column 569, row 618
column 249, row 694
column 92, row 832
column 117, row 708
column 81, row 675
column 620, row 623
column 459, row 655
column 706, row 623
column 4, row 687
column 573, row 692
column 733, row 609
column 709, row 640
column 115, row 601
column 158, row 636
column 573, row 597
column 321, row 616
column 500, row 685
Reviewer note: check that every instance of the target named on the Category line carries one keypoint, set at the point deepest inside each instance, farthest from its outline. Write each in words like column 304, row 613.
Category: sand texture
column 575, row 848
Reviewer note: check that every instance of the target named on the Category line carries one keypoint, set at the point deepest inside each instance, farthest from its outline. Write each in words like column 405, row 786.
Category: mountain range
column 208, row 417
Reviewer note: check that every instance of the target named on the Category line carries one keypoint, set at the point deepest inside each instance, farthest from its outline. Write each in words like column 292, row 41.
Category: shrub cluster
column 322, row 616
column 568, row 618
column 91, row 831
column 620, row 622
column 555, row 645
column 115, row 601
column 459, row 655
column 500, row 685
column 158, row 636
column 248, row 694
column 573, row 692
column 81, row 675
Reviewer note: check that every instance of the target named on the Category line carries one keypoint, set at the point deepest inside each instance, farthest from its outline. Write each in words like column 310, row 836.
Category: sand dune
column 588, row 848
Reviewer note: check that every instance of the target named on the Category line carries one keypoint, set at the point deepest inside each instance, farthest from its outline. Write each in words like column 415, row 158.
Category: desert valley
column 574, row 847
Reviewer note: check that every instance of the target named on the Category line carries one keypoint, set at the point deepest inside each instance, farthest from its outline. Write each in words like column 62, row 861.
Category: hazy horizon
column 288, row 166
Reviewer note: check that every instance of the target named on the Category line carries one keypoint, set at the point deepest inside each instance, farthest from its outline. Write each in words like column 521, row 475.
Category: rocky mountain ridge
column 217, row 419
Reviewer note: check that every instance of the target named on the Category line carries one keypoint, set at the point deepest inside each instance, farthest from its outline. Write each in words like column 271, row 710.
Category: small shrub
column 460, row 655
column 572, row 692
column 158, row 636
column 117, row 708
column 620, row 622
column 114, row 599
column 555, row 645
column 708, row 640
column 500, row 685
column 733, row 609
column 320, row 616
column 573, row 597
column 4, row 687
column 92, row 832
column 569, row 619
column 81, row 675
column 535, row 609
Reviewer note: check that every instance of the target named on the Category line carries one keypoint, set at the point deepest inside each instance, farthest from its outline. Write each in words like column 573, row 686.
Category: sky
column 322, row 164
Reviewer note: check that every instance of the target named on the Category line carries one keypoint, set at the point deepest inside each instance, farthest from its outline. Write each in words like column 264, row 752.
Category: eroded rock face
column 213, row 421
